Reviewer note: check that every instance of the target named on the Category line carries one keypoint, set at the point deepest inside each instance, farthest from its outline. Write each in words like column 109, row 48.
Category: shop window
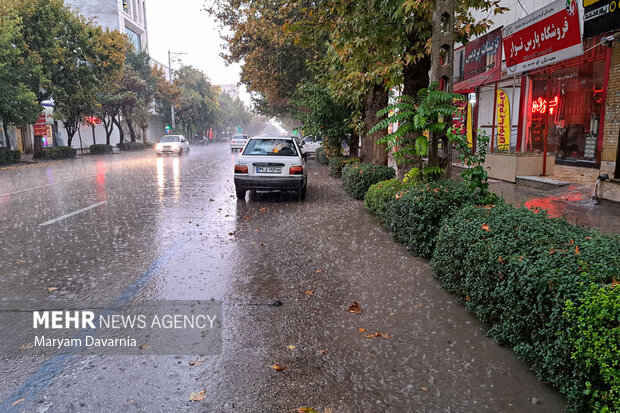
column 564, row 110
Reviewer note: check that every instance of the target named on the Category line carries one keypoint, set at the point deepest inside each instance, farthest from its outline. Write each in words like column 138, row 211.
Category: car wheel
column 180, row 151
column 240, row 193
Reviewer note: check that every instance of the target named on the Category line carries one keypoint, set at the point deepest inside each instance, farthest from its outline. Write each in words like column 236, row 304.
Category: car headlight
column 158, row 146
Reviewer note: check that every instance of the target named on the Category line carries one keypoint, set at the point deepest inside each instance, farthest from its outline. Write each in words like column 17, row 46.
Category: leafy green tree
column 323, row 115
column 198, row 101
column 137, row 91
column 18, row 104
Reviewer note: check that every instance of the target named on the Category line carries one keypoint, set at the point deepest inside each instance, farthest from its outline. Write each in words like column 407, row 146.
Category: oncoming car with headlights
column 270, row 163
column 172, row 144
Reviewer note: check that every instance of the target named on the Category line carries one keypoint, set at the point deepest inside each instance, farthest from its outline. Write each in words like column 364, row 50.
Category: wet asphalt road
column 171, row 217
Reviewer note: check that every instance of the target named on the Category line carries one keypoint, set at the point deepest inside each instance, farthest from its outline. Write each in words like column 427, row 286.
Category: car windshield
column 170, row 139
column 278, row 147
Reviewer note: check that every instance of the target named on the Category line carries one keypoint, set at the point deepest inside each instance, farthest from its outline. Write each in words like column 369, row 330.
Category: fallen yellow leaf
column 196, row 397
column 309, row 292
column 423, row 389
column 18, row 401
column 361, row 330
column 50, row 289
column 277, row 367
column 291, row 347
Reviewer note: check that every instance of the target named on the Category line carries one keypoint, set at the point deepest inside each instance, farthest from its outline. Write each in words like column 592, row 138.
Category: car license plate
column 268, row 170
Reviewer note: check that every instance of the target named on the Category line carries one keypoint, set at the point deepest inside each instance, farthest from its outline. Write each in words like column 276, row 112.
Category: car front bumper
column 270, row 183
column 168, row 150
column 237, row 145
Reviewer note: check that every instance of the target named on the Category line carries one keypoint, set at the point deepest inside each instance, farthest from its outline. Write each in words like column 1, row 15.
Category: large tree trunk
column 5, row 127
column 376, row 100
column 415, row 76
column 37, row 148
column 121, row 132
column 132, row 131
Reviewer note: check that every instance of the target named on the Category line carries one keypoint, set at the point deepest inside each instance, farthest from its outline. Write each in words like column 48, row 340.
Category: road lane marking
column 55, row 365
column 55, row 183
column 70, row 214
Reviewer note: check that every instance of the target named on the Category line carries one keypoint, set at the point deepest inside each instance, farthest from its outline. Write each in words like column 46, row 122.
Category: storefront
column 565, row 108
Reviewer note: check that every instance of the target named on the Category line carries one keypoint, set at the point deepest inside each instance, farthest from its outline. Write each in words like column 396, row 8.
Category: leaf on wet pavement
column 291, row 347
column 355, row 308
column 262, row 244
column 392, row 314
column 196, row 397
column 305, row 410
column 361, row 330
column 16, row 402
column 26, row 346
column 277, row 367
column 319, row 271
column 309, row 292
column 196, row 362
column 378, row 334
column 50, row 289
column 247, row 217
column 423, row 389
column 145, row 346
column 263, row 209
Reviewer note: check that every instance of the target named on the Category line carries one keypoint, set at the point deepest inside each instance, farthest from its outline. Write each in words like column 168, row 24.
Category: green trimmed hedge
column 518, row 271
column 131, row 146
column 595, row 339
column 59, row 152
column 8, row 157
column 101, row 149
column 414, row 217
column 379, row 197
column 358, row 177
column 321, row 156
column 337, row 163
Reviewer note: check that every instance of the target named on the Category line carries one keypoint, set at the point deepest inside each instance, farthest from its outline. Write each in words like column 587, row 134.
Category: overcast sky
column 182, row 26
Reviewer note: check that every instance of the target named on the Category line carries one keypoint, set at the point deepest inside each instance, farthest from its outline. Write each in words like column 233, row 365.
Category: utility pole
column 172, row 55
column 442, row 57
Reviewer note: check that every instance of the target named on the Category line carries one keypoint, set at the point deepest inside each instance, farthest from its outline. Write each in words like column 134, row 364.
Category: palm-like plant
column 430, row 111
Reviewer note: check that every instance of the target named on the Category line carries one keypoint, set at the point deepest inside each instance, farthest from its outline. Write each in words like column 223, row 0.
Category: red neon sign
column 92, row 120
column 541, row 105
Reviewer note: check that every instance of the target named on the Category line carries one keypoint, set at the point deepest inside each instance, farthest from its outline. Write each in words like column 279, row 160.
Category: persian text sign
column 603, row 16
column 483, row 61
column 544, row 37
column 503, row 121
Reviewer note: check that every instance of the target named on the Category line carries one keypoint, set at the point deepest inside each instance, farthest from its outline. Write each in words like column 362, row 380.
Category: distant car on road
column 271, row 163
column 310, row 144
column 238, row 142
column 172, row 144
column 199, row 140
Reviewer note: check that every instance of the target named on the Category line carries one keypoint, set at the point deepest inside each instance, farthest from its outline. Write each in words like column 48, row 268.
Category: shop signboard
column 547, row 36
column 40, row 127
column 600, row 16
column 503, row 120
column 483, row 61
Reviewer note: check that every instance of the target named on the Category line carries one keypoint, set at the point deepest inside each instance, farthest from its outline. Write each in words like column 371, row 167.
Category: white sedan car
column 238, row 142
column 310, row 144
column 269, row 163
column 172, row 144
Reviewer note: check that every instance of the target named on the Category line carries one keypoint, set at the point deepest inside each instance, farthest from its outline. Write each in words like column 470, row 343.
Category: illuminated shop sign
column 541, row 105
column 601, row 16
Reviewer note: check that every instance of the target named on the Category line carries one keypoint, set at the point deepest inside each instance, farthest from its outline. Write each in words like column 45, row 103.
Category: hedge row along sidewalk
column 545, row 288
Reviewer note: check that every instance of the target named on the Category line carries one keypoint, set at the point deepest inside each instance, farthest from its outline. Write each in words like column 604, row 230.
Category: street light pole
column 170, row 56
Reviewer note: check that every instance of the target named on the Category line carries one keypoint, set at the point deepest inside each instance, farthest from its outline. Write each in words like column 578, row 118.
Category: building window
column 564, row 106
column 134, row 38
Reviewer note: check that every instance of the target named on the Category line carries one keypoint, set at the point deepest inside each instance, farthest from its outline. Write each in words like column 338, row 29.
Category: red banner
column 483, row 61
column 544, row 37
column 40, row 128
